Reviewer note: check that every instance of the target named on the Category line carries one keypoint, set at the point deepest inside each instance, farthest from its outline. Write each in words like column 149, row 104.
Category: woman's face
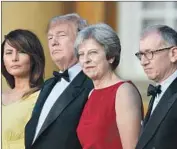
column 93, row 59
column 17, row 62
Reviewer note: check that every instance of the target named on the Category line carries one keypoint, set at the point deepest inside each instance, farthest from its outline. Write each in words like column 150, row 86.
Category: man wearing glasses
column 158, row 57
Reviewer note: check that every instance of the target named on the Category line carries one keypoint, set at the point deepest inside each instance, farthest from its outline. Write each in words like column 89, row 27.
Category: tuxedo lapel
column 70, row 93
column 158, row 115
column 43, row 96
column 32, row 124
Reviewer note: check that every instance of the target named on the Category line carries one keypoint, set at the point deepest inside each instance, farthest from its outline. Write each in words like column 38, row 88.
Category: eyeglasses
column 149, row 55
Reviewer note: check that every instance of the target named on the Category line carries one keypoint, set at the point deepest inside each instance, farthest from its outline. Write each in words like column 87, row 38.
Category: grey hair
column 106, row 37
column 74, row 18
column 168, row 34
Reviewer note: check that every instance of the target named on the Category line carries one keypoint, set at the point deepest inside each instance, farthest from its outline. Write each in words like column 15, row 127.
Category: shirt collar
column 74, row 70
column 166, row 83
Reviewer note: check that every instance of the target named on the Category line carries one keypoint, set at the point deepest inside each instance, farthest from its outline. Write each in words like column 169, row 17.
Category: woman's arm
column 128, row 115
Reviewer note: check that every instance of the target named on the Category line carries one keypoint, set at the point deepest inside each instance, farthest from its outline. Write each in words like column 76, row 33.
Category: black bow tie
column 153, row 90
column 63, row 75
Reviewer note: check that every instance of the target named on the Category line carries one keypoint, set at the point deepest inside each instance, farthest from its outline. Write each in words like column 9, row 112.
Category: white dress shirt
column 164, row 85
column 54, row 94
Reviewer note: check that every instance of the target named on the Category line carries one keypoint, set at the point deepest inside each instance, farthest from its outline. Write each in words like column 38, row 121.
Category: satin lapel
column 159, row 114
column 70, row 93
column 31, row 125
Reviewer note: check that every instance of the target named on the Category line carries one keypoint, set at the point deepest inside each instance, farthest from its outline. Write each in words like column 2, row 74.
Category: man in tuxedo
column 59, row 106
column 158, row 56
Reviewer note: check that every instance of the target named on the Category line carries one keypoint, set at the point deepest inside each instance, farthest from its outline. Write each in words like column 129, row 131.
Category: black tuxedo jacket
column 59, row 129
column 160, row 132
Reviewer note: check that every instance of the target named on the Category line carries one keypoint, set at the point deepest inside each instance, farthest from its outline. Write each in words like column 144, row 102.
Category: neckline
column 100, row 89
column 21, row 99
column 12, row 103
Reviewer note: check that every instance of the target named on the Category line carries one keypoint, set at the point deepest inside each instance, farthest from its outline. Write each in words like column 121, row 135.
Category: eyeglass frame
column 150, row 52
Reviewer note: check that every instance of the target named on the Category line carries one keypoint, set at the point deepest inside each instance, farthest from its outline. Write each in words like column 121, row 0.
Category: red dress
column 97, row 128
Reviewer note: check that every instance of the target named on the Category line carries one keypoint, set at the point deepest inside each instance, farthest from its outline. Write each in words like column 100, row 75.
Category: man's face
column 159, row 67
column 61, row 38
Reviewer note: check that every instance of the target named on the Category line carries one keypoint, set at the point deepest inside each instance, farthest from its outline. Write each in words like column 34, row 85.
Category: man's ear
column 173, row 54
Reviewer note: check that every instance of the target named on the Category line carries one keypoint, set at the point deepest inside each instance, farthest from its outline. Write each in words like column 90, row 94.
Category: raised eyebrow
column 88, row 50
column 59, row 32
column 92, row 49
column 146, row 50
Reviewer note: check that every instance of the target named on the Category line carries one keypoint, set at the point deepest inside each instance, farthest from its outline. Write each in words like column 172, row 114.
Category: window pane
column 153, row 5
column 149, row 22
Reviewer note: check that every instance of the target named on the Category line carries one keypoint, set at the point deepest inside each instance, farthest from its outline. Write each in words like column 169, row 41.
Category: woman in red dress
column 112, row 116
